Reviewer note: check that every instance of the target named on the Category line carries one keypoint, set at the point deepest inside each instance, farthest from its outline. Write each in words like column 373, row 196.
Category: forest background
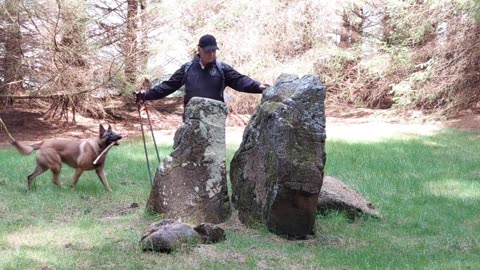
column 64, row 61
column 75, row 56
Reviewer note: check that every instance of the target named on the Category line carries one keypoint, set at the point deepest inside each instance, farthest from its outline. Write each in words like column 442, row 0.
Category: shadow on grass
column 427, row 189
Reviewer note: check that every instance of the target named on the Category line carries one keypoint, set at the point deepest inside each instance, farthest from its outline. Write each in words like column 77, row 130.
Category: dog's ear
column 109, row 128
column 102, row 130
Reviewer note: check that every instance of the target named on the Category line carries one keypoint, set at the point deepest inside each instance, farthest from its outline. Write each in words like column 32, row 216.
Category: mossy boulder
column 191, row 183
column 277, row 172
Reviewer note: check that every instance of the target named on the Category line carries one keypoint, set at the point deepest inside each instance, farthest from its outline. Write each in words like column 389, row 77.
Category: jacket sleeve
column 239, row 81
column 167, row 87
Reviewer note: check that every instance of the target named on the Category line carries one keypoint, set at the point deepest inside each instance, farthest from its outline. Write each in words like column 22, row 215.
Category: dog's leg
column 76, row 176
column 48, row 157
column 101, row 175
column 56, row 173
column 38, row 170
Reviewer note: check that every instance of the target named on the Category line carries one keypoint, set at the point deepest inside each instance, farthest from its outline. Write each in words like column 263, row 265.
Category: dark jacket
column 205, row 83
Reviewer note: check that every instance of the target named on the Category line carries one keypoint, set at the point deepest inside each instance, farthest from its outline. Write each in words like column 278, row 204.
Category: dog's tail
column 26, row 149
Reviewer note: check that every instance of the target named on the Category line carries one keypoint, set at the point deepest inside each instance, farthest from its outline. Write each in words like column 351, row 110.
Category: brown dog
column 78, row 154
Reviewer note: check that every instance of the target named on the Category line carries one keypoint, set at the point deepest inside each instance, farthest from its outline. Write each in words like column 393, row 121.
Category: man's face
column 207, row 56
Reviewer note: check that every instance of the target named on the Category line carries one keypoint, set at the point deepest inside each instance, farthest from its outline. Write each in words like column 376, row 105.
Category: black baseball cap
column 208, row 43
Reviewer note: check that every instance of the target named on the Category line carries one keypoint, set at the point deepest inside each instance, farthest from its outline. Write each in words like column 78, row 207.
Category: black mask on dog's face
column 113, row 137
column 109, row 135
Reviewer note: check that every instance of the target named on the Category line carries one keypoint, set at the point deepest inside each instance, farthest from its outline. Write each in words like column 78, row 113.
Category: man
column 203, row 77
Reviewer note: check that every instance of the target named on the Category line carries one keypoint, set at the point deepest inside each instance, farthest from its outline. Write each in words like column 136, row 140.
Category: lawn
column 426, row 188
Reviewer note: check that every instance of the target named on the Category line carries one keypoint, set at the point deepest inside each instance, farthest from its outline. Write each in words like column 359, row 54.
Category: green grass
column 426, row 188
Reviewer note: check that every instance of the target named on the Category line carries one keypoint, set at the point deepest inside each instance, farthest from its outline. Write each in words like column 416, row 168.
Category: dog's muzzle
column 115, row 140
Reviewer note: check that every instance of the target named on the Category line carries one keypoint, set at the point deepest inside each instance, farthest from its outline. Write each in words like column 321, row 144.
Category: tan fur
column 26, row 149
column 78, row 154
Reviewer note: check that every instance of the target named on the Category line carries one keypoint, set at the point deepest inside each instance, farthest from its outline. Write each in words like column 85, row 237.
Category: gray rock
column 336, row 196
column 191, row 183
column 277, row 172
column 210, row 233
column 168, row 235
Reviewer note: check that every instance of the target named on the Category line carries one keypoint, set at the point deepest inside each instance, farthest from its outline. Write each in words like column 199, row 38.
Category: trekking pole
column 151, row 129
column 144, row 144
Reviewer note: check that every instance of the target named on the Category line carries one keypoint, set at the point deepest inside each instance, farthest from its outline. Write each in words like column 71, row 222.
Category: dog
column 78, row 154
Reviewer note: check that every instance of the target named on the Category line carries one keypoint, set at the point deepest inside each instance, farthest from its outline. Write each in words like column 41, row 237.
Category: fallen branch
column 103, row 152
column 46, row 96
column 6, row 130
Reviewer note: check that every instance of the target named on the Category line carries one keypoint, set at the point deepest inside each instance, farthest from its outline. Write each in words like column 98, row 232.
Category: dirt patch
column 362, row 124
column 26, row 122
column 467, row 121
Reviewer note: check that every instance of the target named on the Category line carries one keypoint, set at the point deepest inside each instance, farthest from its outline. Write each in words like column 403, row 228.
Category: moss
column 270, row 107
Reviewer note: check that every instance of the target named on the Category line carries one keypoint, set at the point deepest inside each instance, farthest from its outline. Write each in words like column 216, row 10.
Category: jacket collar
column 196, row 59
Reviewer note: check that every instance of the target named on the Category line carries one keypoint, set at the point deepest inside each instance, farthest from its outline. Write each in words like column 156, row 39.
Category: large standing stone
column 277, row 172
column 191, row 183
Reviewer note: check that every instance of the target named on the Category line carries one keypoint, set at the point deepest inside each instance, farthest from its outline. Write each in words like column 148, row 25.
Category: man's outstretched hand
column 264, row 86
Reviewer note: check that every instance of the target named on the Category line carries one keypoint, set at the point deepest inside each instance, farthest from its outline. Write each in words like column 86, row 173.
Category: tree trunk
column 73, row 41
column 70, row 60
column 143, row 46
column 131, row 42
column 13, row 53
column 352, row 24
column 346, row 32
column 372, row 28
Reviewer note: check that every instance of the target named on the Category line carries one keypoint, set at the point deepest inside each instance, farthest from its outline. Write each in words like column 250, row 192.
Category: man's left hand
column 264, row 86
column 140, row 96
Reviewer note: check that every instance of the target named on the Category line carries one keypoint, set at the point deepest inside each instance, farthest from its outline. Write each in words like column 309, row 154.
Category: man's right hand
column 140, row 96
